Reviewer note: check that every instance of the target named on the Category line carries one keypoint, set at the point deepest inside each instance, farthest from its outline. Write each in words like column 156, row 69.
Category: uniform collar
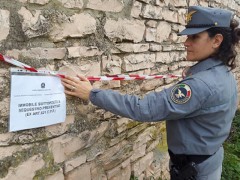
column 204, row 65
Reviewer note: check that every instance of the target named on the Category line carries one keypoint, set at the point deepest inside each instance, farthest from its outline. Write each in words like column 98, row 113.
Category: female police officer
column 199, row 109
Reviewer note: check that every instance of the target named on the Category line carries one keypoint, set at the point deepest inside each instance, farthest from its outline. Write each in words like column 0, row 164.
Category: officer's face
column 199, row 46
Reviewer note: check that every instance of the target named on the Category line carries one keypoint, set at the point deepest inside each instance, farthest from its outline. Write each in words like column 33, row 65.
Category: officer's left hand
column 77, row 86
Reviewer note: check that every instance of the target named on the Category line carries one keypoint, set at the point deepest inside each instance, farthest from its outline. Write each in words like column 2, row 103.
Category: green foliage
column 231, row 163
column 133, row 177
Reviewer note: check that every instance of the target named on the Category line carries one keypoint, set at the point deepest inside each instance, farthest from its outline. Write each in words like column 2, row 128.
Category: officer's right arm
column 168, row 104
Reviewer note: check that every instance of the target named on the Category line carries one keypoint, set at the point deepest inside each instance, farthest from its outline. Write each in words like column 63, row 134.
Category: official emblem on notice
column 181, row 93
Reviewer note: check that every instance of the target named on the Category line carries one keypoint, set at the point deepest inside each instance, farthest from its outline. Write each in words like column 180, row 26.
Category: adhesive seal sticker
column 181, row 94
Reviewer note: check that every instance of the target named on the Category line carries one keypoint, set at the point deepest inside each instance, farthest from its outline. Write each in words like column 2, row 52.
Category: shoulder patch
column 181, row 93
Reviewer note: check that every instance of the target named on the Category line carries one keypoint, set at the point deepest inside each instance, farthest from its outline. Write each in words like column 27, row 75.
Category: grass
column 231, row 163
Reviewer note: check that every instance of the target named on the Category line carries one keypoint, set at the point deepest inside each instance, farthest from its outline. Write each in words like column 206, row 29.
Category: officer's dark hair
column 231, row 36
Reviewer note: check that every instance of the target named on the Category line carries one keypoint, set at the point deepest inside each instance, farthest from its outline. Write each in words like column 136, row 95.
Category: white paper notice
column 37, row 100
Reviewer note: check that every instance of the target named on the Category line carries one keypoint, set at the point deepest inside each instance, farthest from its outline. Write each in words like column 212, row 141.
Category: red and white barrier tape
column 90, row 78
column 130, row 77
column 25, row 66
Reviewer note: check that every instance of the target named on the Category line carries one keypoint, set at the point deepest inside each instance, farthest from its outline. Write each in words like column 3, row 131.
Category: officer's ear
column 217, row 40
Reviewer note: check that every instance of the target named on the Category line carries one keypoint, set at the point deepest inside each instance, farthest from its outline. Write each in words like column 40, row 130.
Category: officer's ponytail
column 235, row 31
column 231, row 37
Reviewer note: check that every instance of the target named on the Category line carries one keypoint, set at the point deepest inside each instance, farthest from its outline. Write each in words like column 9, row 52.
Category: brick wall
column 92, row 37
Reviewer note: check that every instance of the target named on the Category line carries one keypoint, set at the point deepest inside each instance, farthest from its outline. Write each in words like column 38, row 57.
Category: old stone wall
column 92, row 37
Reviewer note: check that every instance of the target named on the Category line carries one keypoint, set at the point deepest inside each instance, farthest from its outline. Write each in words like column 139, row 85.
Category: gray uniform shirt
column 198, row 110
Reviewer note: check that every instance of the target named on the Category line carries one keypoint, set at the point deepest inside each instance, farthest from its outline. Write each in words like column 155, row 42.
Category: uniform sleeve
column 176, row 102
